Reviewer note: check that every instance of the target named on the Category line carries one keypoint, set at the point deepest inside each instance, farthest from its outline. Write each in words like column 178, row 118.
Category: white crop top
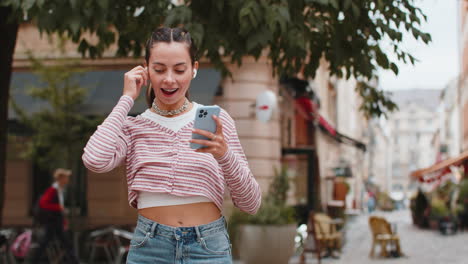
column 153, row 199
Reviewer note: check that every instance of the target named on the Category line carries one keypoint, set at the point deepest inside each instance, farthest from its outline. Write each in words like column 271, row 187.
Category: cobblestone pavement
column 419, row 246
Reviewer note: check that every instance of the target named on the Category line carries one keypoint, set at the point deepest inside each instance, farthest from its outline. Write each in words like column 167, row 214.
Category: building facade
column 463, row 79
column 411, row 132
column 380, row 155
column 266, row 144
column 447, row 140
column 105, row 195
column 337, row 150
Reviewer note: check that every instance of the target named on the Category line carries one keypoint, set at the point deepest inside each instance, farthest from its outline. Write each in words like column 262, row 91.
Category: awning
column 439, row 169
column 309, row 109
column 325, row 125
column 342, row 138
column 351, row 141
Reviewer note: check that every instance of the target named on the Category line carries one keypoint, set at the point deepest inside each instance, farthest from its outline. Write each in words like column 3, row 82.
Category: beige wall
column 108, row 200
column 17, row 193
column 464, row 38
column 351, row 122
column 261, row 141
column 380, row 156
column 340, row 106
column 463, row 81
column 47, row 47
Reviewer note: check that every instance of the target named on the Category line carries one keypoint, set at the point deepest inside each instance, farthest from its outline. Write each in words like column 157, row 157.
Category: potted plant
column 419, row 205
column 439, row 211
column 268, row 236
column 462, row 204
column 384, row 202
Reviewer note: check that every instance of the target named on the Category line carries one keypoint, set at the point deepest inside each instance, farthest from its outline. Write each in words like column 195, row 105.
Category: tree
column 295, row 34
column 60, row 128
column 59, row 131
column 8, row 31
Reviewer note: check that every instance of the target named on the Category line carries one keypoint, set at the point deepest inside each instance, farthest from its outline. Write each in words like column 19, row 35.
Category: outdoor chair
column 324, row 236
column 121, row 248
column 384, row 236
column 113, row 241
column 6, row 237
column 103, row 240
column 55, row 253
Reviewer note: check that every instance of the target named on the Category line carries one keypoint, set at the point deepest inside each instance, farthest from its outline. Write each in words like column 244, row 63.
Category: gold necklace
column 170, row 112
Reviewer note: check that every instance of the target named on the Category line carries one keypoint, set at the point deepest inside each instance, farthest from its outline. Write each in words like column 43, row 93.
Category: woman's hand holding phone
column 217, row 146
column 134, row 80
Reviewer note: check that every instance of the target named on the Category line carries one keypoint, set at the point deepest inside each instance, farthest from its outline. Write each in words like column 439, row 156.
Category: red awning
column 306, row 107
column 324, row 123
column 439, row 169
column 309, row 110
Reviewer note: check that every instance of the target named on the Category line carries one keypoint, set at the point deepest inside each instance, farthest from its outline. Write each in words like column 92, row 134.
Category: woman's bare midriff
column 194, row 214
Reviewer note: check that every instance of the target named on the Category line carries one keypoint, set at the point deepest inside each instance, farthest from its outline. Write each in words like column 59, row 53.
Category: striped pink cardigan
column 161, row 160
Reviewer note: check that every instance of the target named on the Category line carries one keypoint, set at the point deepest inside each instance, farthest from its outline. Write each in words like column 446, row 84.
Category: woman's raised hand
column 133, row 80
column 217, row 146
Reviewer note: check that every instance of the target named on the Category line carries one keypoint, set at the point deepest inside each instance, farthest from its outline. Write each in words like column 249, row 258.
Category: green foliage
column 59, row 132
column 295, row 35
column 462, row 201
column 15, row 146
column 439, row 208
column 385, row 202
column 268, row 214
column 278, row 190
column 418, row 205
column 273, row 210
column 375, row 102
column 463, row 185
column 446, row 189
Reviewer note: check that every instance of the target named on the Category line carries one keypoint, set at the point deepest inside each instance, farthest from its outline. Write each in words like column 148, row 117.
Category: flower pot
column 448, row 226
column 272, row 244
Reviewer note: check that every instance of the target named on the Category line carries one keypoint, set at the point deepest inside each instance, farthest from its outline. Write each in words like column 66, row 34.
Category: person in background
column 371, row 202
column 51, row 205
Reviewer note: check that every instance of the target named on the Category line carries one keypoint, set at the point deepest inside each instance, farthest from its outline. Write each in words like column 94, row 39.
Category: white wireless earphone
column 194, row 73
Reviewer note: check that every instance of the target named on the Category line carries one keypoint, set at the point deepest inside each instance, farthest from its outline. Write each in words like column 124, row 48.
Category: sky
column 439, row 60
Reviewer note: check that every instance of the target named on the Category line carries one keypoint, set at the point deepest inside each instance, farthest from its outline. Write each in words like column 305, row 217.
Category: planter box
column 272, row 244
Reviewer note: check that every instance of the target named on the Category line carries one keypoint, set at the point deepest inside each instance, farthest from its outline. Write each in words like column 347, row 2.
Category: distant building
column 380, row 155
column 412, row 130
column 463, row 80
column 447, row 140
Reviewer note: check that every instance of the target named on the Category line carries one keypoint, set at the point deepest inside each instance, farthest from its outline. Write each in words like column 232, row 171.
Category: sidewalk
column 420, row 246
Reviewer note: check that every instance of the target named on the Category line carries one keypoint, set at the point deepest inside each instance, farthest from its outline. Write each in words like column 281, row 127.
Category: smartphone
column 204, row 121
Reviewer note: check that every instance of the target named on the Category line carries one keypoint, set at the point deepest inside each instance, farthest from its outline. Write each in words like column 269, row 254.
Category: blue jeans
column 156, row 243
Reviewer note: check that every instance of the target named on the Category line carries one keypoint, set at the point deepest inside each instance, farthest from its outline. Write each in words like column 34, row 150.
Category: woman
column 178, row 191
